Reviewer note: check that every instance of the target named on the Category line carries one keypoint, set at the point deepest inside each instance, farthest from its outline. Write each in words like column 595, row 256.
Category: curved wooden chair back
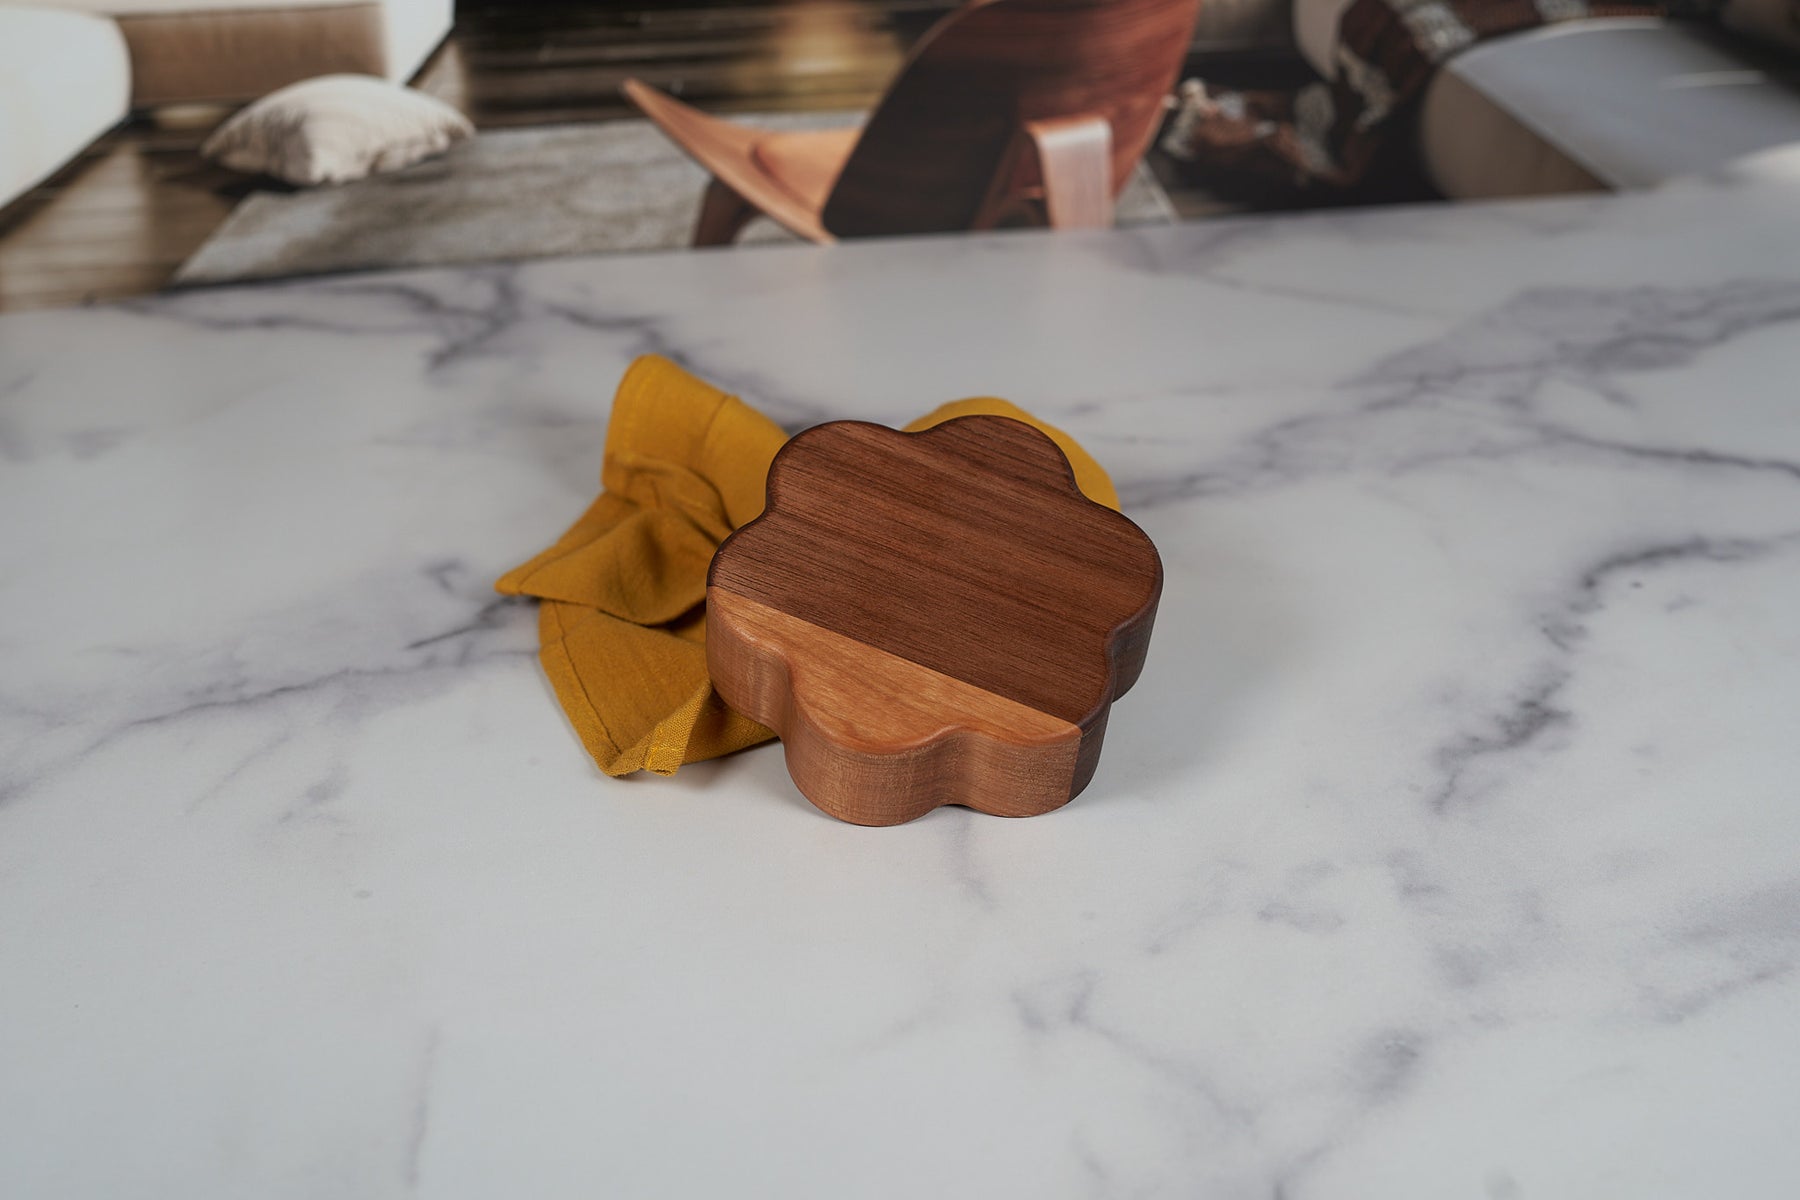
column 932, row 147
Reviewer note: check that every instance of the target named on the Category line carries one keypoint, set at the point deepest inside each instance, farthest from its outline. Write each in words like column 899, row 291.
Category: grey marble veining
column 1447, row 846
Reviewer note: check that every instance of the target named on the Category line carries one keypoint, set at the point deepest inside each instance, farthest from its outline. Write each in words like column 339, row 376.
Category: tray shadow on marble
column 1221, row 641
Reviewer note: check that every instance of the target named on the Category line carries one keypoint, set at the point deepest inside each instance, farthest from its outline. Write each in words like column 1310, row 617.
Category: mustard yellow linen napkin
column 622, row 618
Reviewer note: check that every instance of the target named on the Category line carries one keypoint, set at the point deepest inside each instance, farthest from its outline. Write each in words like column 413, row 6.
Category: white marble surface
column 1449, row 847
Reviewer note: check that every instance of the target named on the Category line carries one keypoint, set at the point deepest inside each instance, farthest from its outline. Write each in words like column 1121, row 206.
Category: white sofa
column 228, row 50
column 65, row 78
column 71, row 69
column 1593, row 105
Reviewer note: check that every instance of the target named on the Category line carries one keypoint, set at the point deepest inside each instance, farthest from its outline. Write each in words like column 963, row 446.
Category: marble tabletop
column 1449, row 846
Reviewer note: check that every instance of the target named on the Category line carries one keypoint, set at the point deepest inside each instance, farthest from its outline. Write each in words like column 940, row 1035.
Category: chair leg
column 1074, row 160
column 723, row 215
column 1054, row 172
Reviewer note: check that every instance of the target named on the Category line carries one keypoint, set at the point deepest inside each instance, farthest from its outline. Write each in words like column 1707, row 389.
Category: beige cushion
column 236, row 55
column 130, row 8
column 335, row 129
column 234, row 50
column 1474, row 149
column 1630, row 102
column 64, row 80
column 1316, row 32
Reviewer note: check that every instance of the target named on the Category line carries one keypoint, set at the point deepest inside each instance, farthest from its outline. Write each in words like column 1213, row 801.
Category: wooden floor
column 137, row 203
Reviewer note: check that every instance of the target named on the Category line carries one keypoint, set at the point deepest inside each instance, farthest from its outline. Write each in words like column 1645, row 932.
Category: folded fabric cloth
column 622, row 616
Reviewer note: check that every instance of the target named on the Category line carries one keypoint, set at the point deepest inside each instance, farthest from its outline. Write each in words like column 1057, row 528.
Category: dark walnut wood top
column 931, row 618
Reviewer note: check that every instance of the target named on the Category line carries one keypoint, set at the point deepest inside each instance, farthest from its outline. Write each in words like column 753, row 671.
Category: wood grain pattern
column 930, row 150
column 727, row 150
column 935, row 740
column 963, row 554
column 941, row 151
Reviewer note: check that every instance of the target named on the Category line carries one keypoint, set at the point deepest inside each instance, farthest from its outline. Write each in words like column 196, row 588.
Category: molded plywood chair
column 1007, row 107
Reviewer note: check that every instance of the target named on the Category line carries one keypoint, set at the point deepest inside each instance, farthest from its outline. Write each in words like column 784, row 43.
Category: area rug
column 611, row 187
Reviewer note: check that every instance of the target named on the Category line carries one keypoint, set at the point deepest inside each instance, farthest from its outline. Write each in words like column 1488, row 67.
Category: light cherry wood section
column 1070, row 89
column 933, row 618
column 874, row 739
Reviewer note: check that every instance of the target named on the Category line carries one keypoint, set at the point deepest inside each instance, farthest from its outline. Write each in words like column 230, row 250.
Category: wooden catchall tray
column 931, row 618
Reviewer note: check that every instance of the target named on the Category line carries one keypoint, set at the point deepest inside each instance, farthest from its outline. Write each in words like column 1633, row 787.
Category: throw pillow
column 335, row 128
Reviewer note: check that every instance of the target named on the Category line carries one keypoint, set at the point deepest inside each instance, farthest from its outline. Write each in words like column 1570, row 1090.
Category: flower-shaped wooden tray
column 931, row 618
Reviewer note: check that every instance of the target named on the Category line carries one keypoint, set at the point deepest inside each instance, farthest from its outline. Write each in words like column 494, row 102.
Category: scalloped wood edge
column 877, row 730
column 935, row 740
